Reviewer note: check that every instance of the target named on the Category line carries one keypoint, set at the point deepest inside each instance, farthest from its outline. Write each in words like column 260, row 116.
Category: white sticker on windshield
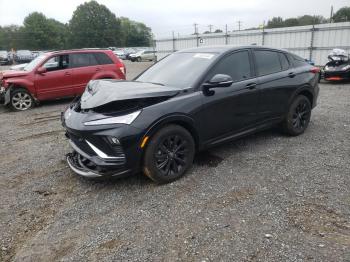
column 203, row 55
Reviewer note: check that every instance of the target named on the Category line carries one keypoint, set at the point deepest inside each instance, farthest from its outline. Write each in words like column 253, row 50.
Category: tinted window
column 284, row 61
column 236, row 65
column 80, row 60
column 57, row 63
column 103, row 59
column 267, row 62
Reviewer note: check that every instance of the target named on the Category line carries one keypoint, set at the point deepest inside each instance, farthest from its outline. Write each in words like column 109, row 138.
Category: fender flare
column 178, row 119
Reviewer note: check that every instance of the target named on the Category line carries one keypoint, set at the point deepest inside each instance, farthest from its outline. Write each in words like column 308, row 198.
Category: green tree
column 291, row 22
column 311, row 20
column 342, row 15
column 94, row 25
column 40, row 33
column 10, row 37
column 135, row 33
column 218, row 31
column 275, row 22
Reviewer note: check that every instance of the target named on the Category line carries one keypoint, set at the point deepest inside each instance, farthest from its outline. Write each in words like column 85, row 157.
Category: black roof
column 224, row 48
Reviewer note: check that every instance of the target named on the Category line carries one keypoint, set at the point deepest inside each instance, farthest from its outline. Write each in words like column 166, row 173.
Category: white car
column 143, row 55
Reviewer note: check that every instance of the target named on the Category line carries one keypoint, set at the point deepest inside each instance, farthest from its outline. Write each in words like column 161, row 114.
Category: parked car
column 338, row 67
column 120, row 53
column 173, row 110
column 57, row 74
column 23, row 56
column 143, row 55
column 4, row 58
column 128, row 51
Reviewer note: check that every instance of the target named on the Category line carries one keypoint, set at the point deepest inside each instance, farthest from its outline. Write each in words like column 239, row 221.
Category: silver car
column 143, row 55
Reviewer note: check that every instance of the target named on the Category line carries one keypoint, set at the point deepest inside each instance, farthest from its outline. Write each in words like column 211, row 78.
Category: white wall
column 297, row 40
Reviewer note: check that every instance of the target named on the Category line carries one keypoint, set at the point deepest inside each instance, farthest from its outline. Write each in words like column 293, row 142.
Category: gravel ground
column 266, row 197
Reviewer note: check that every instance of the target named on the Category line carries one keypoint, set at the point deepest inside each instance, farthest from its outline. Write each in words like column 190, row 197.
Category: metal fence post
column 312, row 42
column 263, row 36
column 226, row 35
column 174, row 48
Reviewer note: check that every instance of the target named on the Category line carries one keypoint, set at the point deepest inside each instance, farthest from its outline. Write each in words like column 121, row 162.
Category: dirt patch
column 322, row 221
column 41, row 135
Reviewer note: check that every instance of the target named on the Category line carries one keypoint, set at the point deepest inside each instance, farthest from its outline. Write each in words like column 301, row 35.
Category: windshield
column 178, row 69
column 34, row 63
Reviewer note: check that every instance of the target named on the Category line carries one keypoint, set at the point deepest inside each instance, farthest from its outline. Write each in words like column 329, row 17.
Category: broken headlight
column 125, row 119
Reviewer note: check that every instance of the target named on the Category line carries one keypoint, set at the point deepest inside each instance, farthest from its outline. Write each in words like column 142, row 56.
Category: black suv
column 190, row 100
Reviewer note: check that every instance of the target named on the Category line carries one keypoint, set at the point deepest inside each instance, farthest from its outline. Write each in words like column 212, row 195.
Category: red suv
column 56, row 75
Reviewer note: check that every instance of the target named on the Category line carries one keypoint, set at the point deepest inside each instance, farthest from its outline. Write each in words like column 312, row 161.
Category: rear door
column 275, row 82
column 84, row 66
column 57, row 81
column 231, row 109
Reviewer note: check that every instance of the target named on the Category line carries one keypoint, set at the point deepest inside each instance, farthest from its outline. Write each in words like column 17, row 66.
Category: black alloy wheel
column 169, row 154
column 298, row 117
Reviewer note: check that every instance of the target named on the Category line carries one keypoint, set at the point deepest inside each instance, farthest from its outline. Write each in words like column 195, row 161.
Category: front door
column 56, row 82
column 230, row 109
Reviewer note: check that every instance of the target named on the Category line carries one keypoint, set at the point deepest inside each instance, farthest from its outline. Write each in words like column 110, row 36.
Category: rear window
column 82, row 59
column 267, row 62
column 103, row 59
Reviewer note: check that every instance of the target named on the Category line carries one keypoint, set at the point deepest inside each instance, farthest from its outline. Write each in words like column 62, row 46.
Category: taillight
column 122, row 68
column 314, row 70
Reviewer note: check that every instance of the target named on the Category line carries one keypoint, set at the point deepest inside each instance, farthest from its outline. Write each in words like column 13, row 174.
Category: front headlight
column 346, row 67
column 125, row 119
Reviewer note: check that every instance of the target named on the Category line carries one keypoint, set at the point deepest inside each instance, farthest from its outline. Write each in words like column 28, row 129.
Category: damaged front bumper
column 84, row 167
column 4, row 95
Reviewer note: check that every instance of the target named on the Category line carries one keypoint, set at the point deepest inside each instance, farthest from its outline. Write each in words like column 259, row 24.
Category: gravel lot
column 266, row 197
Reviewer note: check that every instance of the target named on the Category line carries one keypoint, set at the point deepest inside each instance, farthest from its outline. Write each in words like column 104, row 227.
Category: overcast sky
column 178, row 15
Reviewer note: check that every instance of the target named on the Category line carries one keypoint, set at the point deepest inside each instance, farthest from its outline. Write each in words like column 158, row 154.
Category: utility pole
column 239, row 25
column 210, row 27
column 331, row 18
column 195, row 28
column 226, row 35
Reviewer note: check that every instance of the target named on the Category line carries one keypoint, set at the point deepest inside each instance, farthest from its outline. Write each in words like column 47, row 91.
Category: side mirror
column 41, row 70
column 219, row 80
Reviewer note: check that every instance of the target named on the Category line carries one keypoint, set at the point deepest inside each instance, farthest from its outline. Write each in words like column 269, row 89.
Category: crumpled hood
column 101, row 92
column 12, row 73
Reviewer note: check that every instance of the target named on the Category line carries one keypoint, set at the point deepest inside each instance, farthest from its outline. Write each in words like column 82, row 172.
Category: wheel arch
column 181, row 120
column 305, row 91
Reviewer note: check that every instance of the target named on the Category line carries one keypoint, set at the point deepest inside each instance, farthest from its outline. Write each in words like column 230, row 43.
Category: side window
column 52, row 64
column 58, row 62
column 103, row 59
column 267, row 62
column 82, row 59
column 298, row 61
column 284, row 61
column 236, row 65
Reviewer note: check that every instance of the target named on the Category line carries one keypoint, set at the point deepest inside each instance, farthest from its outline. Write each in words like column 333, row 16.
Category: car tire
column 298, row 117
column 169, row 154
column 21, row 100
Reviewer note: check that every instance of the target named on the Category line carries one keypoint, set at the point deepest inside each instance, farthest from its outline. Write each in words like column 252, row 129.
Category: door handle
column 251, row 85
column 98, row 69
column 291, row 74
column 67, row 74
